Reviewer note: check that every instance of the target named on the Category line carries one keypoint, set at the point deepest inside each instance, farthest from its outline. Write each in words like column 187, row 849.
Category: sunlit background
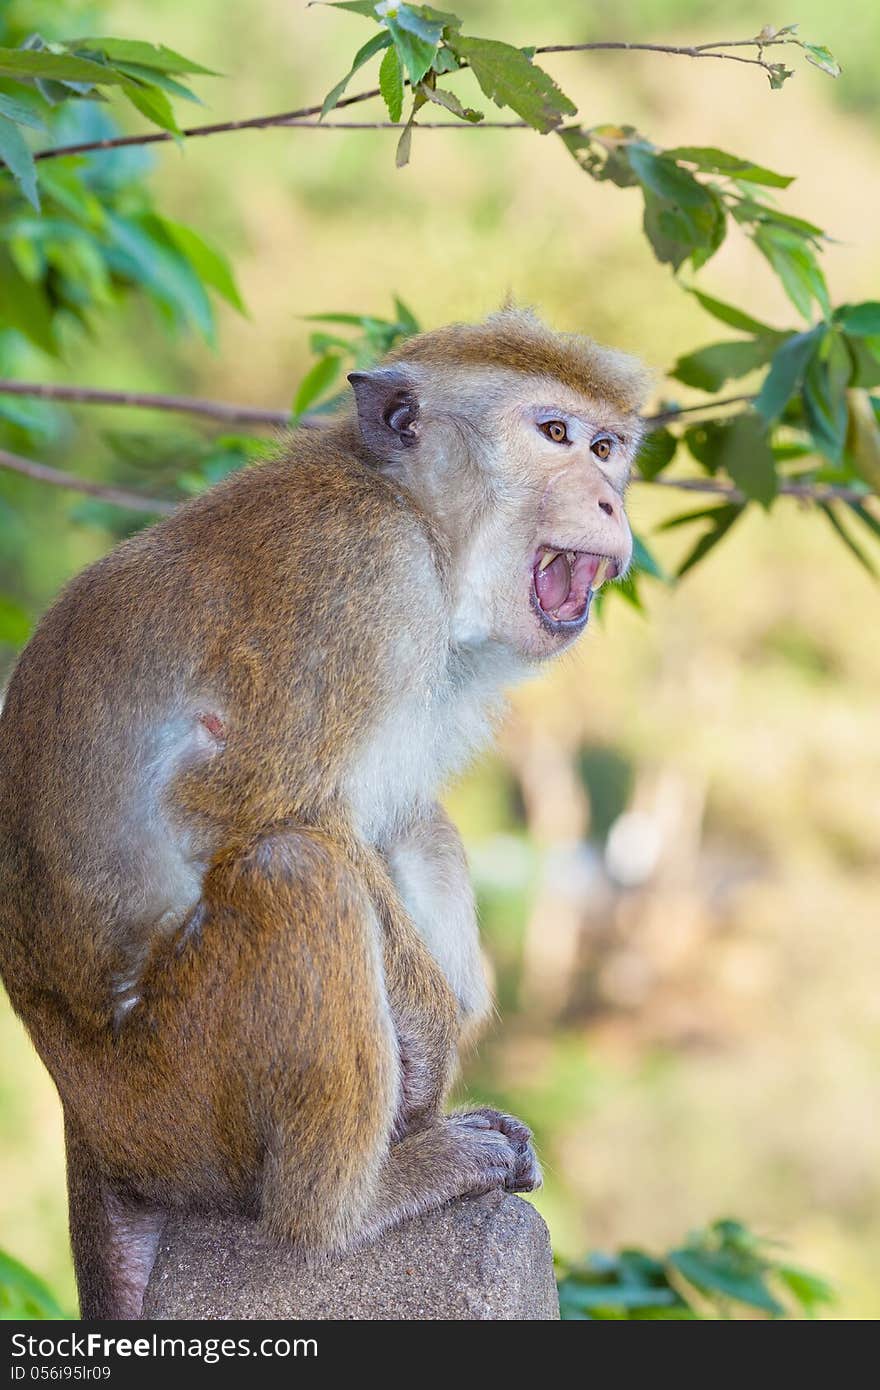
column 676, row 842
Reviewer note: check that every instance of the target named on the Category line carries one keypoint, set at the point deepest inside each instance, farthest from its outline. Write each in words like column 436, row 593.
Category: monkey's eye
column 555, row 430
column 602, row 446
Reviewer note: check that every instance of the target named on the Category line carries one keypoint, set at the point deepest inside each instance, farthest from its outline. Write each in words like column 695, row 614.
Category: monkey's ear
column 388, row 410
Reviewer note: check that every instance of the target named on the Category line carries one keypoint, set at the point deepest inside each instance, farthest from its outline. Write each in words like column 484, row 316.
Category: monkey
column 234, row 918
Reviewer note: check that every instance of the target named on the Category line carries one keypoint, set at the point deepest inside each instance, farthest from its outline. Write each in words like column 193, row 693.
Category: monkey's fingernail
column 547, row 559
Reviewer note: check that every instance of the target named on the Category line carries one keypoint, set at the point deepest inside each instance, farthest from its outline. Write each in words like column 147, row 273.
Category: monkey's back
column 205, row 679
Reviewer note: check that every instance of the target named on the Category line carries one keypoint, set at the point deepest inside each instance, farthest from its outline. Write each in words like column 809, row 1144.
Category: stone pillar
column 479, row 1258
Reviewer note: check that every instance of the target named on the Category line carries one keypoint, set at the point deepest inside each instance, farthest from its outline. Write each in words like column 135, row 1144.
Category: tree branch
column 807, row 492
column 187, row 405
column 116, row 496
column 300, row 117
column 668, row 417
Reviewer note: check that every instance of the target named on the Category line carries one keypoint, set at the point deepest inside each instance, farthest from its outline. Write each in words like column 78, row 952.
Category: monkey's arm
column 430, row 871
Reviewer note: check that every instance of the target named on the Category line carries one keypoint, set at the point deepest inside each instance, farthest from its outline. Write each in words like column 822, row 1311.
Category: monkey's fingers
column 516, row 1131
column 526, row 1175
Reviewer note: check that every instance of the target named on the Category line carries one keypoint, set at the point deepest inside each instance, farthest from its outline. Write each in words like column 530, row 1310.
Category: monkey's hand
column 524, row 1175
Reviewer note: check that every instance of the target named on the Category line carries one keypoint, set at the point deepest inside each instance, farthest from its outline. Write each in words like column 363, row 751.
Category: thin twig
column 668, row 417
column 808, row 492
column 187, row 405
column 699, row 50
column 301, row 116
column 116, row 496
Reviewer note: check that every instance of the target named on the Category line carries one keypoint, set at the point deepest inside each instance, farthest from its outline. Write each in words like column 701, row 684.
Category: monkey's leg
column 308, row 1025
column 114, row 1241
column 429, row 868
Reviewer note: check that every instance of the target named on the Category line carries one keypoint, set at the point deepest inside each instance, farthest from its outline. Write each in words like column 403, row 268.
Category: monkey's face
column 524, row 477
column 563, row 467
column 534, row 508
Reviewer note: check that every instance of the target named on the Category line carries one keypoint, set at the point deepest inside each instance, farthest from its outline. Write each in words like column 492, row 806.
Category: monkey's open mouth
column 564, row 581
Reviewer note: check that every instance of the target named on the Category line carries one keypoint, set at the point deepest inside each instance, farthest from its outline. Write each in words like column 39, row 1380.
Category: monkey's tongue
column 553, row 583
column 566, row 580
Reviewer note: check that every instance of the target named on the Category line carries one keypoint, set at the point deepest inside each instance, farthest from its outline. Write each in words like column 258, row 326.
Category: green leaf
column 509, row 78
column 19, row 160
column 735, row 318
column 871, row 521
column 865, row 353
column 406, row 318
column 404, row 144
column 674, row 523
column 15, row 626
column 786, row 373
column 316, row 381
column 824, row 391
column 37, row 62
column 20, row 113
column 863, row 437
column 32, row 1294
column 589, row 1296
column 851, row 545
column 144, row 251
column 363, row 55
column 154, row 104
column 209, row 263
column 712, row 222
column 415, row 41
column 444, row 18
column 391, row 83
column 820, row 57
column 602, row 152
column 415, row 19
column 862, row 320
column 403, row 153
column 810, row 1291
column 710, row 367
column 717, row 1273
column 365, row 7
column 749, row 210
column 148, row 55
column 666, row 178
column 159, row 79
column 646, row 562
column 657, row 451
column 715, row 161
column 24, row 306
column 779, row 75
column 722, row 519
column 746, row 455
column 450, row 102
column 445, row 61
column 795, row 263
column 683, row 217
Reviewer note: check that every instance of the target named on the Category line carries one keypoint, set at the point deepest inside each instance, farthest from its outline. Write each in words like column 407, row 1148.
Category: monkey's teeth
column 601, row 573
column 547, row 559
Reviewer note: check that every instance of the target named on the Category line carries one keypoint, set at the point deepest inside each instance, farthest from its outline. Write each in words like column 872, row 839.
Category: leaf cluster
column 725, row 1271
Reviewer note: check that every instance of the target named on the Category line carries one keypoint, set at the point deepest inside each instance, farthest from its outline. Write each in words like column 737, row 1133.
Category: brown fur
column 213, row 958
column 515, row 339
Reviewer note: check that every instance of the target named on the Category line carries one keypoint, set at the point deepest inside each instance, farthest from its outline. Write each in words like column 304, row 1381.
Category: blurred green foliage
column 813, row 420
column 721, row 1272
column 664, row 1082
column 22, row 1294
